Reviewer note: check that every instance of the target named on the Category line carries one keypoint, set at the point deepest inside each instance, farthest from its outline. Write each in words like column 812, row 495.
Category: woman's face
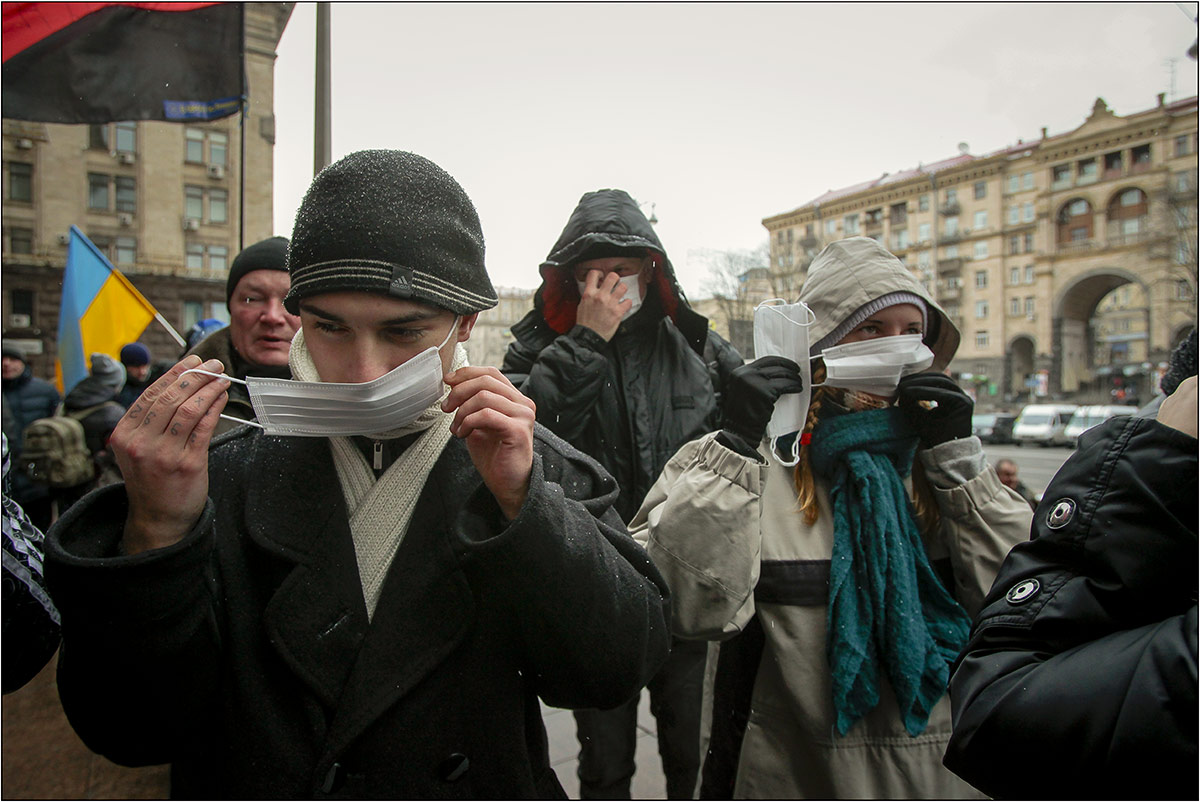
column 889, row 322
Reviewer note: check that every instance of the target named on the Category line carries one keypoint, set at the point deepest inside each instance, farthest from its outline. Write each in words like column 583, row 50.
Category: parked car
column 993, row 427
column 1043, row 424
column 1089, row 416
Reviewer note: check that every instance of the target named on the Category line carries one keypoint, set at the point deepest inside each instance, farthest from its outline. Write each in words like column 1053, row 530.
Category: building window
column 1183, row 253
column 1014, row 183
column 923, row 260
column 981, row 339
column 1183, row 181
column 1027, row 180
column 20, row 182
column 218, row 257
column 98, row 192
column 194, row 259
column 901, row 238
column 1075, row 221
column 218, row 148
column 1027, row 212
column 1140, row 158
column 951, row 196
column 23, row 304
column 850, row 225
column 1028, row 237
column 1127, row 215
column 1014, row 214
column 126, row 194
column 980, row 189
column 20, row 240
column 951, row 252
column 924, row 232
column 193, row 203
column 980, row 219
column 1014, row 275
column 1014, row 243
column 1028, row 274
column 193, row 312
column 789, row 236
column 923, row 203
column 981, row 279
column 126, row 137
column 1030, row 302
column 1113, row 163
column 981, row 310
column 1087, row 171
column 218, row 206
column 981, row 249
column 193, row 146
column 1061, row 176
column 126, row 251
column 1014, row 306
column 898, row 215
column 953, row 282
column 1183, row 290
column 1181, row 145
column 98, row 137
column 951, row 225
column 830, row 228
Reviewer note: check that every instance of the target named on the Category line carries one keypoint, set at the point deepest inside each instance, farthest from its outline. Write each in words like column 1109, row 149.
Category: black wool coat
column 244, row 656
column 1079, row 681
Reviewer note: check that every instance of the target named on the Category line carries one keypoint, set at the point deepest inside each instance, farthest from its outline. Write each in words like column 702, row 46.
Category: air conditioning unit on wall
column 191, row 224
column 19, row 321
column 24, row 144
column 216, row 171
column 63, row 239
column 125, row 157
column 125, row 219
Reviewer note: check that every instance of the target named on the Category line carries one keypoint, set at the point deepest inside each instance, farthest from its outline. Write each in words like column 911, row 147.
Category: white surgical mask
column 875, row 366
column 632, row 291
column 337, row 409
column 781, row 329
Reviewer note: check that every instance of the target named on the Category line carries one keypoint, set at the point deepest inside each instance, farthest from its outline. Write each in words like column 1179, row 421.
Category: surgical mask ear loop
column 226, row 378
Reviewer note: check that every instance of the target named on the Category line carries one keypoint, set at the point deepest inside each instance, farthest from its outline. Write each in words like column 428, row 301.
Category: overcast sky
column 719, row 114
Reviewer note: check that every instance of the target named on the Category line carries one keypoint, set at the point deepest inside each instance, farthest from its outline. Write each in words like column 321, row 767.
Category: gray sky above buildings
column 719, row 114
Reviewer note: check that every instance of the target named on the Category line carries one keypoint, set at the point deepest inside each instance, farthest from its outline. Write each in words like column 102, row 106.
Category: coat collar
column 317, row 620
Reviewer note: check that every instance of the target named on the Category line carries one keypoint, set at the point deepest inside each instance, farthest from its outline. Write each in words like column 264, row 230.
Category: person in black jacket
column 1079, row 680
column 26, row 398
column 622, row 368
column 371, row 610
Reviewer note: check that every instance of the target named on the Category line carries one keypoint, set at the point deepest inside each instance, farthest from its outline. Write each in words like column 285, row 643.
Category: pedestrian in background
column 93, row 402
column 1006, row 469
column 621, row 367
column 372, row 609
column 260, row 330
column 135, row 358
column 26, row 398
column 1080, row 677
column 837, row 592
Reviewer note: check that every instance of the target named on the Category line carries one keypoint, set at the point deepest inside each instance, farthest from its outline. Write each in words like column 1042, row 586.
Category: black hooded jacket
column 633, row 401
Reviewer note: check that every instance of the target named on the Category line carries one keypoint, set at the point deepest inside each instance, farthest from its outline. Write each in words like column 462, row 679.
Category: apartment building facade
column 170, row 204
column 1020, row 247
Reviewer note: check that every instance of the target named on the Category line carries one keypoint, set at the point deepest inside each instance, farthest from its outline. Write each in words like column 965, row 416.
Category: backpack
column 55, row 451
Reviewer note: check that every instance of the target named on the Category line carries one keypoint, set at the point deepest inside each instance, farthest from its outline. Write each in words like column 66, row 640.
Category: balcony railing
column 949, row 208
column 949, row 265
column 951, row 237
column 1076, row 245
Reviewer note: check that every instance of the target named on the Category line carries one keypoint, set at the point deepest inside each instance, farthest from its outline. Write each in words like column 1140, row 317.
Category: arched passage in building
column 1075, row 342
column 1019, row 366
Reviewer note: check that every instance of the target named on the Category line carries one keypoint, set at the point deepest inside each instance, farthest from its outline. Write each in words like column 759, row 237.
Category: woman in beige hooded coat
column 898, row 552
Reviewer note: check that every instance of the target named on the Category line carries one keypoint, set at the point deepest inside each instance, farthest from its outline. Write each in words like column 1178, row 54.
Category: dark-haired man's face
column 11, row 367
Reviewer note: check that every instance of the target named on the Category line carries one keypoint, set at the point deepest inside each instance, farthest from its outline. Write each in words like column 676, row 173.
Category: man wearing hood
column 622, row 368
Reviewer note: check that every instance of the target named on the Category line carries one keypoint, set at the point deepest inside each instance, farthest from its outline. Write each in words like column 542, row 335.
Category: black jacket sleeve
column 564, row 379
column 1080, row 676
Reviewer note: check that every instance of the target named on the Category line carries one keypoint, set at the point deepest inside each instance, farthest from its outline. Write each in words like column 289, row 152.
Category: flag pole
column 170, row 329
column 322, row 148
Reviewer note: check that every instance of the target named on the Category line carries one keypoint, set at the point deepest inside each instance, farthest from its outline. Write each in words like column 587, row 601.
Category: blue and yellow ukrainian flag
column 101, row 312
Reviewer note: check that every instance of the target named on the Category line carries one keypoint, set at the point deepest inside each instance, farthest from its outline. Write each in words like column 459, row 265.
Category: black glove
column 751, row 393
column 949, row 420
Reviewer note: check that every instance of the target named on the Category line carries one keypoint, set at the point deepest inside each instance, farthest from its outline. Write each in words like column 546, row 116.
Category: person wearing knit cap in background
column 837, row 592
column 135, row 357
column 26, row 398
column 260, row 330
column 366, row 597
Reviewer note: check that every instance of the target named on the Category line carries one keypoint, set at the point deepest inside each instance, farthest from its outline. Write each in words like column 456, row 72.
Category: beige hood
column 852, row 272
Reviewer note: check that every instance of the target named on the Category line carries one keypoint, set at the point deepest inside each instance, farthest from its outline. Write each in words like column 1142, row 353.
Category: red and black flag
column 100, row 62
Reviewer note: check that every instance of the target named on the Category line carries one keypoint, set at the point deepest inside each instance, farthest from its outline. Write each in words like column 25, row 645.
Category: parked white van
column 1088, row 416
column 1044, row 424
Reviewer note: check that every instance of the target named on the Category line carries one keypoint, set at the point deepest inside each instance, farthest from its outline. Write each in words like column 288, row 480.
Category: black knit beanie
column 270, row 254
column 390, row 222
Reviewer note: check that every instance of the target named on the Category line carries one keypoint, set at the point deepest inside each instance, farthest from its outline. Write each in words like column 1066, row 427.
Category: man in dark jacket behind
column 93, row 403
column 622, row 368
column 26, row 398
column 255, row 343
column 1079, row 681
column 374, row 609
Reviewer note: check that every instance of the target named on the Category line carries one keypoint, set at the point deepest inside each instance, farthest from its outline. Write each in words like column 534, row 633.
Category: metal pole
column 321, row 127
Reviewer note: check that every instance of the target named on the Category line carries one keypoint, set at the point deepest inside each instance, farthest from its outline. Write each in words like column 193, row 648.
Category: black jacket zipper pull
column 378, row 455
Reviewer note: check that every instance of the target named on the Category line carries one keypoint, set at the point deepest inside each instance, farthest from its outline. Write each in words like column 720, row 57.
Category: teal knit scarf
column 886, row 605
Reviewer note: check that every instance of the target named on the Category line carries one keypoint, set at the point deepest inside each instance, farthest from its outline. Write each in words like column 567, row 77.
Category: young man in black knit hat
column 372, row 609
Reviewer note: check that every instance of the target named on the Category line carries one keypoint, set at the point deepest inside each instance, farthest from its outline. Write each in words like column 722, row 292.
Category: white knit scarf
column 380, row 509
